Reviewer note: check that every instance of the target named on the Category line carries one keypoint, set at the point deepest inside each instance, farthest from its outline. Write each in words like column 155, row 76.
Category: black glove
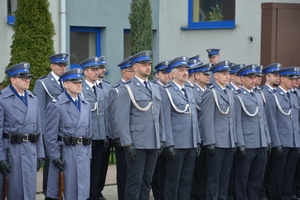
column 269, row 148
column 60, row 163
column 241, row 153
column 210, row 149
column 39, row 163
column 170, row 152
column 278, row 152
column 117, row 142
column 4, row 167
column 106, row 144
column 160, row 150
column 198, row 149
column 129, row 152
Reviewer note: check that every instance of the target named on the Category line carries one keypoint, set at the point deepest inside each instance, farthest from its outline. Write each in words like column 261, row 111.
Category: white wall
column 233, row 43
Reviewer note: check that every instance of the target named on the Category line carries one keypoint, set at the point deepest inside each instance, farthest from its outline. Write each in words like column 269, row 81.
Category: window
column 11, row 9
column 211, row 14
column 85, row 42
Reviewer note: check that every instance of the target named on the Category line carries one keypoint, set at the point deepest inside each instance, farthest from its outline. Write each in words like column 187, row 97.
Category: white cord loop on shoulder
column 135, row 103
column 44, row 86
column 245, row 109
column 217, row 103
column 280, row 108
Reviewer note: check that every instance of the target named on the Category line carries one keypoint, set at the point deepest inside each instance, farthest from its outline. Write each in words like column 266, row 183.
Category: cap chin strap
column 280, row 108
column 187, row 109
column 217, row 103
column 135, row 103
column 45, row 88
column 245, row 109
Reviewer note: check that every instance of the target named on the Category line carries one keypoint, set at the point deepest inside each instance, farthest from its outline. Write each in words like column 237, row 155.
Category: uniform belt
column 19, row 138
column 71, row 140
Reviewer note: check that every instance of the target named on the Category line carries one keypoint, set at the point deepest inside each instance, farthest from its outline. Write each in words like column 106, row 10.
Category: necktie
column 22, row 98
column 225, row 92
column 94, row 88
column 76, row 103
column 146, row 86
column 100, row 84
column 183, row 90
column 288, row 95
column 61, row 84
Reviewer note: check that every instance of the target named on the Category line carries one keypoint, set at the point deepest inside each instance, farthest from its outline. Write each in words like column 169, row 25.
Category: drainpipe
column 63, row 26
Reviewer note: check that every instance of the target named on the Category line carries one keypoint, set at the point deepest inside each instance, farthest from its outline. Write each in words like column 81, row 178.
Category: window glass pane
column 82, row 46
column 11, row 7
column 213, row 10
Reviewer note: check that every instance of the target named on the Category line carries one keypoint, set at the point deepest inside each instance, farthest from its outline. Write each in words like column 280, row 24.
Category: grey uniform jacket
column 16, row 117
column 54, row 89
column 198, row 93
column 142, row 129
column 182, row 130
column 112, row 97
column 284, row 129
column 218, row 128
column 252, row 131
column 64, row 119
column 99, row 130
column 106, row 88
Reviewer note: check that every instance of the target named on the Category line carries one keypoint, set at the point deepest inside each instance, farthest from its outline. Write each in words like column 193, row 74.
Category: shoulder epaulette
column 127, row 82
column 116, row 85
column 210, row 86
column 188, row 85
column 154, row 81
column 237, row 91
column 166, row 86
column 228, row 87
column 106, row 81
column 42, row 77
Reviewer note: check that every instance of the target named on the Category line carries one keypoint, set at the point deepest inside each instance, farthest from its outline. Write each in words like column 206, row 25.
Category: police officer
column 158, row 179
column 94, row 95
column 191, row 62
column 105, row 86
column 272, row 81
column 202, row 78
column 282, row 115
column 217, row 128
column 21, row 146
column 68, row 139
column 235, row 79
column 182, row 131
column 140, row 126
column 47, row 89
column 127, row 74
column 213, row 56
column 254, row 138
column 161, row 74
column 259, row 75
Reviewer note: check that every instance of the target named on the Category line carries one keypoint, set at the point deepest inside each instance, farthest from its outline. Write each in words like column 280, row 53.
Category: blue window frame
column 210, row 14
column 84, row 42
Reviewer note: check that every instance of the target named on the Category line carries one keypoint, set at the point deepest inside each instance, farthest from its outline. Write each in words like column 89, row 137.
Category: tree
column 33, row 38
column 140, row 19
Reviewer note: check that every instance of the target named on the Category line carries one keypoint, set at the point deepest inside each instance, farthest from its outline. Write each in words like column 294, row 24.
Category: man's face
column 127, row 73
column 201, row 78
column 248, row 81
column 222, row 78
column 58, row 69
column 73, row 88
column 296, row 82
column 258, row 80
column 273, row 79
column 142, row 70
column 91, row 74
column 101, row 72
column 180, row 74
column 20, row 84
column 236, row 80
column 162, row 76
column 215, row 59
column 286, row 82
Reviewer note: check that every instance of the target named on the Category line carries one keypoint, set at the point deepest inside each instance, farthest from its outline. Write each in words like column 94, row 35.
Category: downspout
column 63, row 26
